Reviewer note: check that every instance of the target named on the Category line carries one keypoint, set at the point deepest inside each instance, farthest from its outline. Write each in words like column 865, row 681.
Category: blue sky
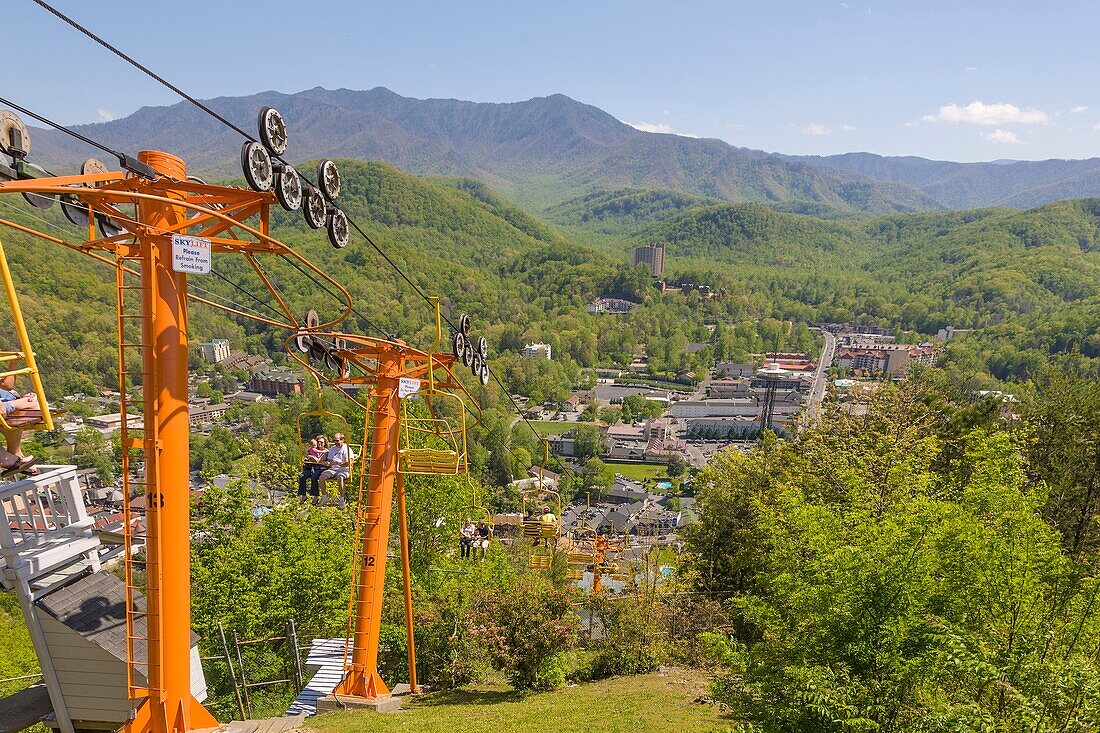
column 948, row 80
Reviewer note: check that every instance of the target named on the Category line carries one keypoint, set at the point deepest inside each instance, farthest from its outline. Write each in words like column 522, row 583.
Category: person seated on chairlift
column 481, row 537
column 311, row 468
column 12, row 460
column 338, row 467
column 466, row 538
column 547, row 517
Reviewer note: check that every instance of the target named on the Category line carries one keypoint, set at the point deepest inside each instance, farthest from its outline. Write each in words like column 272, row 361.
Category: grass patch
column 638, row 471
column 654, row 703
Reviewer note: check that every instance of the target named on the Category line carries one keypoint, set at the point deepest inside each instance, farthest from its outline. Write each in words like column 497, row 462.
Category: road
column 817, row 393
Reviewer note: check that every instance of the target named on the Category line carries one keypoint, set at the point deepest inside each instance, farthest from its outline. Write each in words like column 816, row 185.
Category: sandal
column 26, row 465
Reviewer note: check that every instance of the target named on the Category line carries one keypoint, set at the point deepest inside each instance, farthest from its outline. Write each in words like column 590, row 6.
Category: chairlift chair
column 320, row 412
column 448, row 459
column 22, row 362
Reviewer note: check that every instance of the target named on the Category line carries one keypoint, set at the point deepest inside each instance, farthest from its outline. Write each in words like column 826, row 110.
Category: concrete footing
column 329, row 703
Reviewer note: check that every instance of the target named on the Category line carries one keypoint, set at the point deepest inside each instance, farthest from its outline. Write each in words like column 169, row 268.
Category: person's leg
column 302, row 481
column 341, row 501
column 323, row 489
column 314, row 476
column 14, row 439
column 464, row 545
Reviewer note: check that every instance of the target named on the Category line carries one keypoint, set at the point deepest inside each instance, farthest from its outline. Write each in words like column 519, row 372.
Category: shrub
column 633, row 637
column 527, row 629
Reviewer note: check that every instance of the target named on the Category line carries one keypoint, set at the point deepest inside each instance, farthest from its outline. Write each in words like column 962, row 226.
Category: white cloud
column 816, row 129
column 980, row 113
column 660, row 128
column 848, row 128
column 971, row 68
column 1078, row 109
column 733, row 127
column 1096, row 126
column 1001, row 136
column 104, row 115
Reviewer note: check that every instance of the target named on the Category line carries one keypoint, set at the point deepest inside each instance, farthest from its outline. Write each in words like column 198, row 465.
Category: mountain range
column 547, row 150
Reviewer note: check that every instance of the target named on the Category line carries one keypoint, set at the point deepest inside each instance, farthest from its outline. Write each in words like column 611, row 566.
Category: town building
column 199, row 414
column 653, row 257
column 733, row 370
column 274, row 381
column 884, row 358
column 215, row 351
column 611, row 306
column 536, row 351
column 113, row 421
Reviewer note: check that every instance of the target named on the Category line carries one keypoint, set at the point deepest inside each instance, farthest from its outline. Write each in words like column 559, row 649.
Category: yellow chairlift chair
column 434, row 445
column 21, row 362
column 355, row 449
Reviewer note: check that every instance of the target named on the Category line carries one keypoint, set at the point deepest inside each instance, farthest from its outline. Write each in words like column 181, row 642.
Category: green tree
column 677, row 466
column 93, row 450
column 587, row 441
column 597, row 475
column 1064, row 419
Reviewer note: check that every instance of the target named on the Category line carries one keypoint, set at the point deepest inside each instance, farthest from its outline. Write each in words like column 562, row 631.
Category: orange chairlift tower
column 155, row 226
column 396, row 443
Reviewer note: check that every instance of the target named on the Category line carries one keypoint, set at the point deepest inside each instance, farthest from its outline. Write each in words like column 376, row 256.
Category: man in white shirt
column 338, row 467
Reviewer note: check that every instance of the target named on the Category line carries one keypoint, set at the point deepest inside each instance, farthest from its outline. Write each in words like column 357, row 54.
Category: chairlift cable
column 325, row 287
column 150, row 73
column 270, row 308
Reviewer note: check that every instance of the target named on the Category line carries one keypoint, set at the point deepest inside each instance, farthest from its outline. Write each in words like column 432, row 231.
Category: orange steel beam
column 410, row 638
column 170, row 706
column 362, row 678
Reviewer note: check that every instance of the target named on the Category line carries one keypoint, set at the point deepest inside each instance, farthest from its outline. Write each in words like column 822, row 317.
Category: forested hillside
column 1026, row 282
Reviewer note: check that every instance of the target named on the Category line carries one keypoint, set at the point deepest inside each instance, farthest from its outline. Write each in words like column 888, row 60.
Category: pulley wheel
column 15, row 140
column 328, row 180
column 272, row 130
column 318, row 350
column 257, row 166
column 74, row 211
column 338, row 231
column 303, row 341
column 107, row 227
column 92, row 166
column 464, row 324
column 314, row 208
column 38, row 200
column 458, row 343
column 467, row 355
column 483, row 347
column 475, row 363
column 288, row 188
column 484, row 375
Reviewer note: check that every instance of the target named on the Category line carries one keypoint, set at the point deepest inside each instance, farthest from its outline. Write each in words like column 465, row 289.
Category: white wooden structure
column 74, row 610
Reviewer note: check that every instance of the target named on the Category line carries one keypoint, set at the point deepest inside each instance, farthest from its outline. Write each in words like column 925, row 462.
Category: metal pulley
column 288, row 188
column 15, row 140
column 328, row 180
column 314, row 208
column 258, row 169
column 272, row 130
column 338, row 230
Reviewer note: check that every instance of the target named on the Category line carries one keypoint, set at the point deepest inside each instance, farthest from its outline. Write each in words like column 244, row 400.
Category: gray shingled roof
column 95, row 607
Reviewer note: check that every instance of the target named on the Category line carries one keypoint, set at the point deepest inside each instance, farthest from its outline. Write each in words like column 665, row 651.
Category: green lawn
column 654, row 703
column 638, row 471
